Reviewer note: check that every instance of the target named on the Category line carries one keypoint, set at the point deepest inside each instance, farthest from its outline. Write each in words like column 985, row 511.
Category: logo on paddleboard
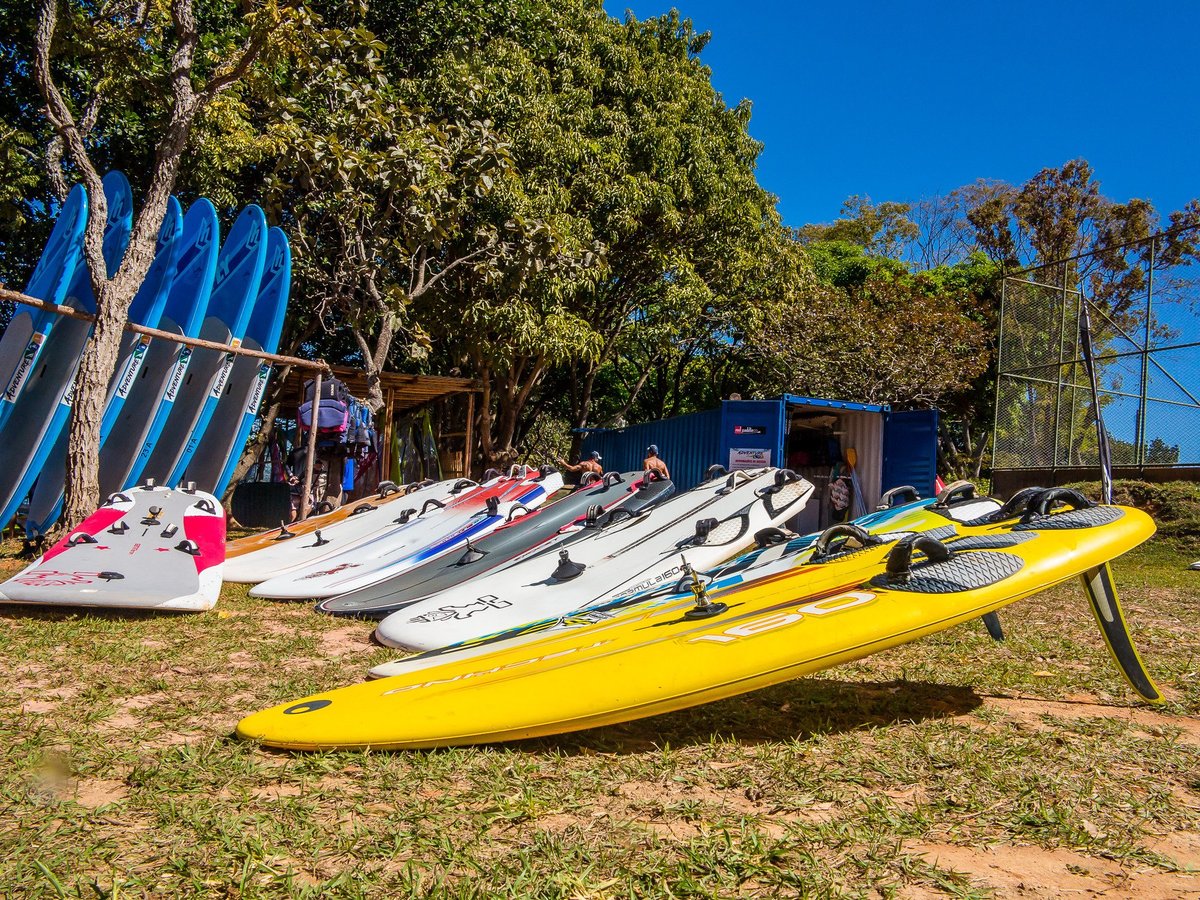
column 763, row 624
column 185, row 356
column 125, row 385
column 260, row 385
column 218, row 387
column 51, row 578
column 307, row 707
column 27, row 358
column 340, row 568
column 647, row 583
column 446, row 613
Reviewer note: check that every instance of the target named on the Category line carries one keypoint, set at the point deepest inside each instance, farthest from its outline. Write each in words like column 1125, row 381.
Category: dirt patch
column 39, row 707
column 1029, row 711
column 125, row 720
column 642, row 794
column 676, row 830
column 350, row 639
column 1181, row 847
column 278, row 791
column 1017, row 871
column 96, row 792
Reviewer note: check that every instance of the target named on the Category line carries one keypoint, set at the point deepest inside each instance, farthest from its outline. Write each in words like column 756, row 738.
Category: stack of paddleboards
column 698, row 529
column 383, row 541
column 146, row 548
column 587, row 508
column 172, row 414
column 789, row 607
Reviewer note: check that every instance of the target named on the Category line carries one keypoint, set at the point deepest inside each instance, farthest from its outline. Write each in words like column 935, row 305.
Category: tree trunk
column 374, row 359
column 583, row 408
column 96, row 366
column 113, row 296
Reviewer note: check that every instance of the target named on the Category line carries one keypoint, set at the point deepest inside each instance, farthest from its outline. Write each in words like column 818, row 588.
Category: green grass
column 951, row 767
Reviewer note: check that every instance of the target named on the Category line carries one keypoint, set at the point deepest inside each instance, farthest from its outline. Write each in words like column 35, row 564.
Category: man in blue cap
column 591, row 464
column 652, row 463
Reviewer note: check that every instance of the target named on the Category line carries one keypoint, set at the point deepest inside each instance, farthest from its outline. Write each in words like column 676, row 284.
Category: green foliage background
column 555, row 202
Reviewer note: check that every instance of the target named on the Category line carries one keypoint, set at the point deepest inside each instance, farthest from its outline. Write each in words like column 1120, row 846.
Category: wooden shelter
column 402, row 395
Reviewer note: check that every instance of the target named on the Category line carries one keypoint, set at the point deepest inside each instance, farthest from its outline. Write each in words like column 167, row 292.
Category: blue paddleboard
column 239, row 271
column 27, row 330
column 221, row 445
column 45, row 505
column 149, row 403
column 42, row 407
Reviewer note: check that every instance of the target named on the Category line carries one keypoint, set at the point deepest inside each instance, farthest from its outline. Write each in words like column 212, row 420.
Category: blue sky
column 905, row 100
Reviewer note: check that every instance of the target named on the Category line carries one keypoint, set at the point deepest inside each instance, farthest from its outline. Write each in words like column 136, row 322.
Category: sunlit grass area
column 955, row 766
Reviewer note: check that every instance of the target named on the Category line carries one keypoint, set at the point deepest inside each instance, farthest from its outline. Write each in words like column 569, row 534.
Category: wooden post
column 470, row 436
column 312, row 445
column 385, row 442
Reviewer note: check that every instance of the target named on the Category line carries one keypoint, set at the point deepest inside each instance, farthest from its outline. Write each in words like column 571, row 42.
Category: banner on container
column 748, row 458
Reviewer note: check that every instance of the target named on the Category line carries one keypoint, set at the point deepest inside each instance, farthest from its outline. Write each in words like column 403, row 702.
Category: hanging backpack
column 332, row 416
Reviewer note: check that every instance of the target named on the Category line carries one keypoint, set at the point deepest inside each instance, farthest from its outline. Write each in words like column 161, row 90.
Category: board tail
column 1102, row 592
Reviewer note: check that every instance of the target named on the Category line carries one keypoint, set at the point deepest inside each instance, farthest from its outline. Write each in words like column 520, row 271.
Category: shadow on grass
column 57, row 612
column 795, row 710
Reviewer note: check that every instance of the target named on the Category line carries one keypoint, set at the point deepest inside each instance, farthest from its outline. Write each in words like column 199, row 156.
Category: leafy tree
column 882, row 229
column 631, row 169
column 382, row 197
column 1160, row 453
column 88, row 58
column 910, row 340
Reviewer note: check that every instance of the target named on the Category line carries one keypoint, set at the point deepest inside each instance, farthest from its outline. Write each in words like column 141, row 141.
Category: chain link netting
column 1142, row 300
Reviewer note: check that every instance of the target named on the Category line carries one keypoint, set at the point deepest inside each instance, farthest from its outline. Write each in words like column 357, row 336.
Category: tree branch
column 58, row 114
column 439, row 275
column 230, row 74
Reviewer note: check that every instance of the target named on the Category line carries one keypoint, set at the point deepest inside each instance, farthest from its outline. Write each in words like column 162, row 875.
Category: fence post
column 999, row 365
column 1058, row 376
column 1145, row 391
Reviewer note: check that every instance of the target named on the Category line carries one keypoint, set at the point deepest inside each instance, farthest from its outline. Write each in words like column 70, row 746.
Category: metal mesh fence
column 1143, row 301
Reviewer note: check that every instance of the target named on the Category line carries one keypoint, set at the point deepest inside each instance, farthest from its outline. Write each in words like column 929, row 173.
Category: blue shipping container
column 894, row 448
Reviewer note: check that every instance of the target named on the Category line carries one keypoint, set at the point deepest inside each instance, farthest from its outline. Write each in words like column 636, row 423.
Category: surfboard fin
column 1102, row 593
column 473, row 554
column 994, row 628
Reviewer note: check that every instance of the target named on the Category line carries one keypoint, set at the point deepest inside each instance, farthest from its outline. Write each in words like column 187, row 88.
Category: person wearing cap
column 653, row 463
column 591, row 464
